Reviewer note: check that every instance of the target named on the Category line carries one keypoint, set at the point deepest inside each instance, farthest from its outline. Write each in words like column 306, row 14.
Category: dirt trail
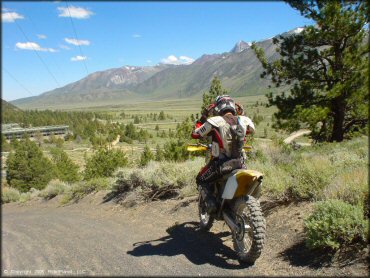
column 295, row 135
column 95, row 238
column 115, row 142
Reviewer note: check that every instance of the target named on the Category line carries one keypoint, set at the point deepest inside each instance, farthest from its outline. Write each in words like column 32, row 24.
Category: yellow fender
column 243, row 182
column 247, row 182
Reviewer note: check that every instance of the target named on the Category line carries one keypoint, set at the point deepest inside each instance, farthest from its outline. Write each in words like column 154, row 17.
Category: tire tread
column 259, row 230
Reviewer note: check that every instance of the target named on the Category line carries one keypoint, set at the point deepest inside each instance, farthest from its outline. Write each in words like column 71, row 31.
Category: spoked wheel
column 205, row 219
column 249, row 238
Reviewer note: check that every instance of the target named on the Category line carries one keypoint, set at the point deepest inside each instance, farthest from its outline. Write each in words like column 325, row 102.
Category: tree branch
column 353, row 122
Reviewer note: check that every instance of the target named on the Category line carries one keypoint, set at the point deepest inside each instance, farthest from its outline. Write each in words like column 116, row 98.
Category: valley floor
column 158, row 238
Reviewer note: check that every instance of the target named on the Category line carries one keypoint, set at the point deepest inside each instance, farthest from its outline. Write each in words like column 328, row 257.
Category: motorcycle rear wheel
column 205, row 219
column 249, row 240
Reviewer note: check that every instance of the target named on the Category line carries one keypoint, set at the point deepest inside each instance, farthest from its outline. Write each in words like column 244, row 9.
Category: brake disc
column 241, row 227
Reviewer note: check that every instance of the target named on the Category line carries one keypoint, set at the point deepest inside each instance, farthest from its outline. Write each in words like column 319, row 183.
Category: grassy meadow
column 177, row 110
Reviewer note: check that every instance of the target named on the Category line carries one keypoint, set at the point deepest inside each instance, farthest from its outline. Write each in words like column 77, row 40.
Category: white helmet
column 225, row 103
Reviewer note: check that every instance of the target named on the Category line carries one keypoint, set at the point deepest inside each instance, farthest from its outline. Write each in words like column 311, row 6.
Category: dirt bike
column 236, row 195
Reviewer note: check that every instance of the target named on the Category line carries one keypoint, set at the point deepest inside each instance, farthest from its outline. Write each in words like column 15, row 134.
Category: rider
column 227, row 130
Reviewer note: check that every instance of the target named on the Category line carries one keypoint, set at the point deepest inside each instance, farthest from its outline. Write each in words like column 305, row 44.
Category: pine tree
column 161, row 116
column 215, row 90
column 28, row 168
column 66, row 169
column 326, row 67
column 159, row 154
column 137, row 120
column 183, row 131
column 146, row 156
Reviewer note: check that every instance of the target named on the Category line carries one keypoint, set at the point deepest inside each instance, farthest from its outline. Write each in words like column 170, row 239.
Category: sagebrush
column 334, row 224
column 157, row 177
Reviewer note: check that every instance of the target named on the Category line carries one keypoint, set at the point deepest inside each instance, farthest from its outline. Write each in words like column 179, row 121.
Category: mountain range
column 238, row 69
column 7, row 107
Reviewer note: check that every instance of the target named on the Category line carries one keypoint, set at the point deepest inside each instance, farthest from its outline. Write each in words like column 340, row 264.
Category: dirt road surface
column 295, row 135
column 159, row 238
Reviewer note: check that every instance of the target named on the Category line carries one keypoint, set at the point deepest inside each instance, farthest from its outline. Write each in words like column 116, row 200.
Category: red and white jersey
column 221, row 135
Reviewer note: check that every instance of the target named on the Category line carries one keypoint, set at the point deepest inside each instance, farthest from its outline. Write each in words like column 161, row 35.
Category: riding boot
column 230, row 165
column 209, row 199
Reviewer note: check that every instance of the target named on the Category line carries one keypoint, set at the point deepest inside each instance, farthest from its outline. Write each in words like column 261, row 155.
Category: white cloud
column 149, row 61
column 33, row 46
column 66, row 47
column 173, row 60
column 41, row 36
column 75, row 12
column 77, row 42
column 136, row 36
column 78, row 58
column 8, row 16
column 186, row 59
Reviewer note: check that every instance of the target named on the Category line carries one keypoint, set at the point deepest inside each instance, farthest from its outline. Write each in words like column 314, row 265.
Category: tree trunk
column 338, row 128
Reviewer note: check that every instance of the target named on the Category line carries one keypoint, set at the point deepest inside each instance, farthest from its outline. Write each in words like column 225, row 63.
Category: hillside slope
column 239, row 73
column 8, row 107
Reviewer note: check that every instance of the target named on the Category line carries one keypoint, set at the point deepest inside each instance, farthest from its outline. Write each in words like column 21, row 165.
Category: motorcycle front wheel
column 205, row 219
column 249, row 238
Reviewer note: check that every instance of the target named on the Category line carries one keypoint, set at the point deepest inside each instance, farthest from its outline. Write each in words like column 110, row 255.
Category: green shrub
column 80, row 189
column 349, row 185
column 54, row 188
column 9, row 195
column 27, row 167
column 159, row 154
column 276, row 166
column 334, row 224
column 24, row 197
column 34, row 192
column 103, row 163
column 175, row 151
column 179, row 177
column 5, row 145
column 146, row 156
column 320, row 172
column 310, row 177
column 27, row 196
column 66, row 169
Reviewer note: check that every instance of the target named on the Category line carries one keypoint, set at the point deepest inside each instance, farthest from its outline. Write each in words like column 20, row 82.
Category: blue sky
column 41, row 52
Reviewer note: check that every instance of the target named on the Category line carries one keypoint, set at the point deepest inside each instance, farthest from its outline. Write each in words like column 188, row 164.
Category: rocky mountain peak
column 240, row 46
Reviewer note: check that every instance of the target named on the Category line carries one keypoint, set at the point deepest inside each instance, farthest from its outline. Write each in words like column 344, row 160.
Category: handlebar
column 197, row 147
column 203, row 147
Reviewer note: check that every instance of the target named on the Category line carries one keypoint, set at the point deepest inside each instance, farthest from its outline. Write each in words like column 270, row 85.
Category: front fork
column 221, row 213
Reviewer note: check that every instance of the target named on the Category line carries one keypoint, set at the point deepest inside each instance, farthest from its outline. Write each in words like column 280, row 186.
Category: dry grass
column 79, row 190
column 325, row 171
column 54, row 188
column 158, row 179
column 10, row 194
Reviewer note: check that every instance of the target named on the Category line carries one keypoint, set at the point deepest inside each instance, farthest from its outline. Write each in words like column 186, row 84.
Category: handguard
column 196, row 148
